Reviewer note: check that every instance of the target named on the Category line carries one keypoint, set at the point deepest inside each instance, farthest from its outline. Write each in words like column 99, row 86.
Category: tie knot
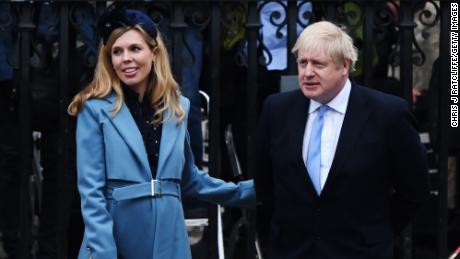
column 322, row 109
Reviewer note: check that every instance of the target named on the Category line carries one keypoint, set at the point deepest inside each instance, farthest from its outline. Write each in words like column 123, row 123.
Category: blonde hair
column 326, row 36
column 163, row 90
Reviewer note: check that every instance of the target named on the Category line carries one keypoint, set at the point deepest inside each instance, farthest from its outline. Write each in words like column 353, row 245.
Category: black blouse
column 142, row 113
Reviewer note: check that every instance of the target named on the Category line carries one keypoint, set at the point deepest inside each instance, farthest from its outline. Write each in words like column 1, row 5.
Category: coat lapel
column 168, row 140
column 127, row 128
column 356, row 116
column 124, row 123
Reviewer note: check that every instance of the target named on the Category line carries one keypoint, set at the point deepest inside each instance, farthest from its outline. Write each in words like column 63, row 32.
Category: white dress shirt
column 333, row 120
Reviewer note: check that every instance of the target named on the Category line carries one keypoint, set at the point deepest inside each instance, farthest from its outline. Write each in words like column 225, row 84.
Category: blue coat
column 125, row 212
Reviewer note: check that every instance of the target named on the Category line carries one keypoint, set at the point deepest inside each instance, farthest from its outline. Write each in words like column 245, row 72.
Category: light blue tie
column 314, row 150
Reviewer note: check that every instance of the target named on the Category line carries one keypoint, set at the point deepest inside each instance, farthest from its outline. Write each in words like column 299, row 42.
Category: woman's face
column 132, row 60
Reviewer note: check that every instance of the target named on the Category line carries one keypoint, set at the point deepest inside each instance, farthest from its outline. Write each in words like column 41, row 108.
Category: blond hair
column 329, row 38
column 163, row 90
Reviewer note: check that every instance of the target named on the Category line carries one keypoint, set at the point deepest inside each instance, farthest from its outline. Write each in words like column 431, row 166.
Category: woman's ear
column 154, row 53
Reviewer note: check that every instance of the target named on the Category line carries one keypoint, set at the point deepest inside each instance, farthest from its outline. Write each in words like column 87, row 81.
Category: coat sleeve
column 409, row 168
column 99, row 240
column 197, row 183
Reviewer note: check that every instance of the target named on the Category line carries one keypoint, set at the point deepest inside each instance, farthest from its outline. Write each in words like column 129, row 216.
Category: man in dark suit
column 340, row 169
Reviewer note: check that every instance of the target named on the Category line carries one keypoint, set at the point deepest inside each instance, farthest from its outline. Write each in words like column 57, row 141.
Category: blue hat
column 120, row 17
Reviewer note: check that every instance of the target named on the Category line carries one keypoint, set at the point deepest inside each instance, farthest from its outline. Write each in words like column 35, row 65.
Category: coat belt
column 154, row 189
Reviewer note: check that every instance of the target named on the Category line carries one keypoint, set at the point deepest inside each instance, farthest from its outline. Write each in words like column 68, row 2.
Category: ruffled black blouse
column 142, row 113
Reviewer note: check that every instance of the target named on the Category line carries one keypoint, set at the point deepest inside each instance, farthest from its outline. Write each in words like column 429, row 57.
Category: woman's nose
column 127, row 56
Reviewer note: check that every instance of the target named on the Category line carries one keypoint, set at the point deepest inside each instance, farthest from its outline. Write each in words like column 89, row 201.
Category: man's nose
column 308, row 71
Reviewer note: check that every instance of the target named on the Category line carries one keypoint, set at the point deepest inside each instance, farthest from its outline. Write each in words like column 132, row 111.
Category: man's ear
column 346, row 66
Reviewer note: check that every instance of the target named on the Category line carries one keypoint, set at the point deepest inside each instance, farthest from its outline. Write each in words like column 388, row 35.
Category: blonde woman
column 133, row 154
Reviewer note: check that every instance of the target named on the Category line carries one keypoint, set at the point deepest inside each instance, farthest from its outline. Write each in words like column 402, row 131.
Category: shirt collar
column 338, row 103
column 130, row 95
column 131, row 99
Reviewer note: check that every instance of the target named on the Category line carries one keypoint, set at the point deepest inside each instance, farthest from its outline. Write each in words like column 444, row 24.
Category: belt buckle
column 152, row 187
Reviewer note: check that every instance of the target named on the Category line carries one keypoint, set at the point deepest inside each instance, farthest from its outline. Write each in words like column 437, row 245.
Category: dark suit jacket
column 377, row 180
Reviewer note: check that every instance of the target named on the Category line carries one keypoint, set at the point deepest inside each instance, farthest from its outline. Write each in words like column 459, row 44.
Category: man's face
column 320, row 77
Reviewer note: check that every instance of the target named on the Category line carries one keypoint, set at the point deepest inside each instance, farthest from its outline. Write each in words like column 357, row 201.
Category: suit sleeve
column 409, row 169
column 263, row 178
column 198, row 183
column 91, row 182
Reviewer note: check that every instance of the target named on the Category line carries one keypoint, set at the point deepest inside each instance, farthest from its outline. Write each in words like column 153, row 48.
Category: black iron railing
column 367, row 21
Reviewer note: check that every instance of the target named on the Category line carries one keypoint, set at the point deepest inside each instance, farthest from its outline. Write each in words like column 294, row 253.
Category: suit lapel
column 124, row 123
column 356, row 116
column 298, row 121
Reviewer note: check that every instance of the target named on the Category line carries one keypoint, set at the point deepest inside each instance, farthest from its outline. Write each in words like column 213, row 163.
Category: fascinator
column 120, row 17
